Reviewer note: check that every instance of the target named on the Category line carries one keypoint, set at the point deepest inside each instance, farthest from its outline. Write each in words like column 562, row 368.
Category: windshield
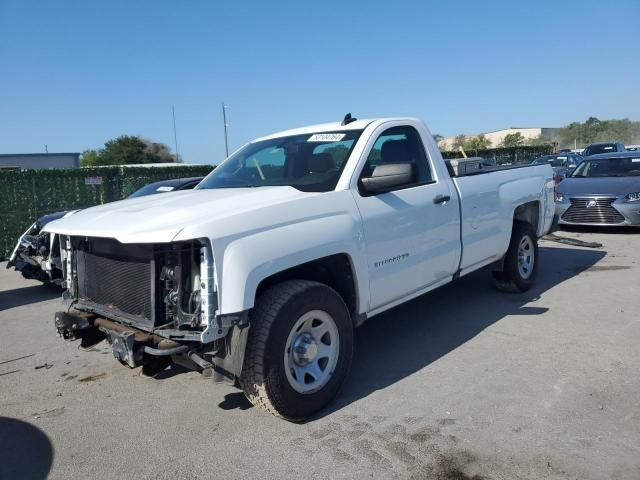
column 608, row 167
column 311, row 162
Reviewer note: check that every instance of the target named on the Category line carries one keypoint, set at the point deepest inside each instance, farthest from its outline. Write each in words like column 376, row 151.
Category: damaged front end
column 155, row 304
column 37, row 253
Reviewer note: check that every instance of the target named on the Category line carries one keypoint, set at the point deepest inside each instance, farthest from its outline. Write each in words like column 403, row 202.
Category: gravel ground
column 462, row 383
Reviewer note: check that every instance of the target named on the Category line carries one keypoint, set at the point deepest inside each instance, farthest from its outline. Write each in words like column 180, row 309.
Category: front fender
column 248, row 260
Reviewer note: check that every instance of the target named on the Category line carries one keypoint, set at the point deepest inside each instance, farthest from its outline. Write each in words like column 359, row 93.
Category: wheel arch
column 336, row 271
column 529, row 212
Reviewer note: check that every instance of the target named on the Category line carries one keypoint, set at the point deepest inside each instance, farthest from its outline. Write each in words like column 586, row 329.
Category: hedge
column 508, row 155
column 27, row 195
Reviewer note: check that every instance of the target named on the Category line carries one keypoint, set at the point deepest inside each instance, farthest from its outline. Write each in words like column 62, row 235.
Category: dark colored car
column 167, row 186
column 562, row 164
column 36, row 255
column 606, row 147
column 603, row 190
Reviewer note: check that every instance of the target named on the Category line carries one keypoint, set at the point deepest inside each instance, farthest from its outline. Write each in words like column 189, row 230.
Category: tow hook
column 72, row 326
column 124, row 348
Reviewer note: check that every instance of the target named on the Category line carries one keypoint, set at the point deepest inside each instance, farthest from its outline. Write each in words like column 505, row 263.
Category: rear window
column 595, row 149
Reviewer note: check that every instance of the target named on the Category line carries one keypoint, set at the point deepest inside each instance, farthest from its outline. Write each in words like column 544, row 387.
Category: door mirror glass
column 389, row 176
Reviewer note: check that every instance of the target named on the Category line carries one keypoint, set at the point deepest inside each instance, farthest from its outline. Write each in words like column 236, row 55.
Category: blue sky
column 77, row 73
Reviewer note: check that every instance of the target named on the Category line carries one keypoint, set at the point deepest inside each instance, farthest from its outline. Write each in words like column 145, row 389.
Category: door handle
column 441, row 199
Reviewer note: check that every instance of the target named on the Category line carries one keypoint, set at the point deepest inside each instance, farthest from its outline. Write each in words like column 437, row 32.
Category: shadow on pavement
column 27, row 295
column 25, row 450
column 235, row 400
column 406, row 339
column 603, row 230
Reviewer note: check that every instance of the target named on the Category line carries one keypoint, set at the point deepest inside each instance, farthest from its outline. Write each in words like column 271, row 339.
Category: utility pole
column 224, row 122
column 175, row 135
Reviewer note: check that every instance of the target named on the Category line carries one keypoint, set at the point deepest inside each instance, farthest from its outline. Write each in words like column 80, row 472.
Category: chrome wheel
column 311, row 351
column 526, row 257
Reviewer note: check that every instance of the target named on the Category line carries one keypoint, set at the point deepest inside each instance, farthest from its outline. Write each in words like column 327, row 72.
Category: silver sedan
column 603, row 190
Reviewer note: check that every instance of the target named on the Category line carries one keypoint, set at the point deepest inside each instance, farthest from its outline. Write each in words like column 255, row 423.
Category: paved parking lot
column 464, row 382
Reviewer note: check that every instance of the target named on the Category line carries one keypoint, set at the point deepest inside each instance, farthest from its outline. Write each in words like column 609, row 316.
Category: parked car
column 606, row 147
column 36, row 254
column 260, row 275
column 603, row 190
column 165, row 186
column 562, row 164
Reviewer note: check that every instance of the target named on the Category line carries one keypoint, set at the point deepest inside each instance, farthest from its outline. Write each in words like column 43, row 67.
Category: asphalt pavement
column 462, row 383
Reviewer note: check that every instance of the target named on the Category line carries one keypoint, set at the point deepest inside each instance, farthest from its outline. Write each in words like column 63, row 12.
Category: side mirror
column 389, row 176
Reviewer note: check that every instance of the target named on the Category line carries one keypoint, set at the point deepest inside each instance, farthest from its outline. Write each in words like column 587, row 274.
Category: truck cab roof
column 333, row 127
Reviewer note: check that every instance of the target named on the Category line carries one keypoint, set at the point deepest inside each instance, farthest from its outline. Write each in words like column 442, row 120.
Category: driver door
column 412, row 232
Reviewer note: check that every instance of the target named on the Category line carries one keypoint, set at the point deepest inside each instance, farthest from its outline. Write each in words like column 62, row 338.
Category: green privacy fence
column 504, row 156
column 27, row 195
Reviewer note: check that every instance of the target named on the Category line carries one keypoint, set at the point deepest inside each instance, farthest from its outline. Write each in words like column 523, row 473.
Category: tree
column 90, row 158
column 437, row 137
column 125, row 150
column 513, row 140
column 128, row 150
column 160, row 152
column 479, row 142
column 595, row 130
column 459, row 141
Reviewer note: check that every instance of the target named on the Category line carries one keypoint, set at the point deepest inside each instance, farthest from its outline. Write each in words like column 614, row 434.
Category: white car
column 260, row 275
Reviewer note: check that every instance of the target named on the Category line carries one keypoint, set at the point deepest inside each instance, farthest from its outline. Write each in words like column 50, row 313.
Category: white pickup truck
column 260, row 275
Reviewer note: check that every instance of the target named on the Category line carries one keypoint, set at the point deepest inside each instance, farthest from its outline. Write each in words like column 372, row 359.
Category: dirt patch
column 571, row 241
column 56, row 412
column 16, row 359
column 599, row 268
column 91, row 378
column 451, row 466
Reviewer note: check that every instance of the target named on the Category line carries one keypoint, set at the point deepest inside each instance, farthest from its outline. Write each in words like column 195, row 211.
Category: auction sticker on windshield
column 326, row 137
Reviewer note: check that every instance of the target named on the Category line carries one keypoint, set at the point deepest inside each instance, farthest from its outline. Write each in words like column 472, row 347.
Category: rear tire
column 287, row 370
column 520, row 261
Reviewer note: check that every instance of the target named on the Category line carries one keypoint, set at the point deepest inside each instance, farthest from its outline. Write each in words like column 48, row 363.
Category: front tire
column 520, row 261
column 299, row 349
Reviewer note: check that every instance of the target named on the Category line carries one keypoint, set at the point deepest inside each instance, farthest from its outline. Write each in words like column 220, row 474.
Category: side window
column 399, row 145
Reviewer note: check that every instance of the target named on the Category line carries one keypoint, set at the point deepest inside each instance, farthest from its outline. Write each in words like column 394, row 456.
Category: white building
column 497, row 137
column 39, row 160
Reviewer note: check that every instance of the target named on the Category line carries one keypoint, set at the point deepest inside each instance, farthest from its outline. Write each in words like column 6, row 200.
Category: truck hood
column 615, row 186
column 160, row 218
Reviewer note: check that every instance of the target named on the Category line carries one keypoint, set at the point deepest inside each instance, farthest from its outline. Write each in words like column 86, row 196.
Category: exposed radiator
column 121, row 286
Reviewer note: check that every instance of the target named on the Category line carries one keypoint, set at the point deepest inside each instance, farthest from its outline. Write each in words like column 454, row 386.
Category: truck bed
column 464, row 167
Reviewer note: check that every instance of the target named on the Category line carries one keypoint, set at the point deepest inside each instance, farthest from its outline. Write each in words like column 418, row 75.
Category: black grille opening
column 600, row 211
column 117, row 281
